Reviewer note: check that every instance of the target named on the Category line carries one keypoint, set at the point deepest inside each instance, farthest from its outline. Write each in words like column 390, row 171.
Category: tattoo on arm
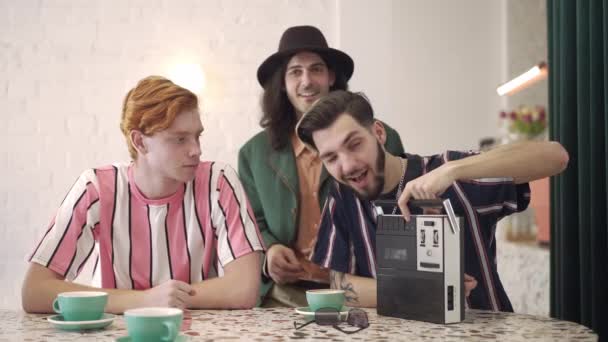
column 338, row 281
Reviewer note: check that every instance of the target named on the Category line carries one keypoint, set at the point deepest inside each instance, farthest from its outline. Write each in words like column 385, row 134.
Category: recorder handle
column 421, row 203
column 447, row 206
column 428, row 203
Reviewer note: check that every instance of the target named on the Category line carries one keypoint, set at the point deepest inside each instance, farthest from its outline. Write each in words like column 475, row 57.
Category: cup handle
column 170, row 331
column 56, row 306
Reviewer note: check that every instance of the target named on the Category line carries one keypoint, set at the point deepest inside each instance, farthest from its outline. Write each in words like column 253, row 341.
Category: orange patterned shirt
column 309, row 172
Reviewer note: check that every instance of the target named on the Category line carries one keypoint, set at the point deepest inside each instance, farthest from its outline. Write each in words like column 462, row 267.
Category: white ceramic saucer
column 179, row 338
column 62, row 324
column 306, row 311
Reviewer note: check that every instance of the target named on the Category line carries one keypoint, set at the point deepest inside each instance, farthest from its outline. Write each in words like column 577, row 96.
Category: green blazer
column 270, row 179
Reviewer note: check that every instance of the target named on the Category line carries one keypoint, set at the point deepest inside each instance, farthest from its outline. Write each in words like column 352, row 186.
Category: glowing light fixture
column 535, row 74
column 189, row 76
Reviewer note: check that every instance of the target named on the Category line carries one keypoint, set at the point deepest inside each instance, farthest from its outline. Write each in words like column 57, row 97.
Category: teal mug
column 81, row 305
column 153, row 324
column 325, row 298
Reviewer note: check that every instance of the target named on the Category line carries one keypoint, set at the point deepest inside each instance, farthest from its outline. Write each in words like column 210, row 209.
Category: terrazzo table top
column 276, row 324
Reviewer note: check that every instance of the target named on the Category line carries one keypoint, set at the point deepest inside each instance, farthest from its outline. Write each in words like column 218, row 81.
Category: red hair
column 152, row 106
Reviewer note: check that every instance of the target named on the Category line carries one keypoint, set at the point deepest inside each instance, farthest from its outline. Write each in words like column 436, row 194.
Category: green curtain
column 578, row 111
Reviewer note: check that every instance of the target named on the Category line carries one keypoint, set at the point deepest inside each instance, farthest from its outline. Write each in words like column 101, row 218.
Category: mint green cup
column 325, row 298
column 81, row 305
column 153, row 324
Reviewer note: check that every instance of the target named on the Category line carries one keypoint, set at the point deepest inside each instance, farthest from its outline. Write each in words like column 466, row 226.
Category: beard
column 378, row 182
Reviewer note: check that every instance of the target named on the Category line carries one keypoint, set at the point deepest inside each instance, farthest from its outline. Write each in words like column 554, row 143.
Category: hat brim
column 339, row 61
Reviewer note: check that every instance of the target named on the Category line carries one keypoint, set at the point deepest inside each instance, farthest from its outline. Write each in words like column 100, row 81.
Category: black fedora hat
column 305, row 38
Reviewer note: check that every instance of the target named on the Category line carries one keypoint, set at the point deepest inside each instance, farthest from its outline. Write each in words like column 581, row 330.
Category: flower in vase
column 526, row 121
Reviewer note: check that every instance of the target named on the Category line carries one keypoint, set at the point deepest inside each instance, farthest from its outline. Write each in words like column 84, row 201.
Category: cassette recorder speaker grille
column 408, row 303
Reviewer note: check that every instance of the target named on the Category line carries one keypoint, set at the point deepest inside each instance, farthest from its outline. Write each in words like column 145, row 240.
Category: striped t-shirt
column 189, row 236
column 347, row 234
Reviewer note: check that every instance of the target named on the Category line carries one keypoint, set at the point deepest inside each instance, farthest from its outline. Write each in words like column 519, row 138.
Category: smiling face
column 173, row 154
column 307, row 78
column 353, row 155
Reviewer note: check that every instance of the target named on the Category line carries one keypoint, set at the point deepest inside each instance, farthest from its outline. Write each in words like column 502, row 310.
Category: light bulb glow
column 189, row 76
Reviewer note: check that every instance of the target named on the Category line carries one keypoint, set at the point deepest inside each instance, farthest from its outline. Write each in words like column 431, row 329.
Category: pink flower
column 513, row 115
column 542, row 114
column 527, row 118
column 503, row 114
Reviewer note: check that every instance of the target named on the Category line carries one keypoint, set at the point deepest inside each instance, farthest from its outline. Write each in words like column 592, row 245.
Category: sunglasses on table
column 331, row 317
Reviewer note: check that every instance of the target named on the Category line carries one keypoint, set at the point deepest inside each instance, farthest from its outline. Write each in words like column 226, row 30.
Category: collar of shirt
column 299, row 147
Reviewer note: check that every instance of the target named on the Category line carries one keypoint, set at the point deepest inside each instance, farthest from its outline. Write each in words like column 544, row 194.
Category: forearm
column 225, row 293
column 359, row 291
column 237, row 289
column 41, row 286
column 524, row 162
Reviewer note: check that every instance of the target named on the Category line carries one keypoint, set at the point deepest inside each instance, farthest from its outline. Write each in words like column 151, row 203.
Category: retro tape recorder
column 420, row 264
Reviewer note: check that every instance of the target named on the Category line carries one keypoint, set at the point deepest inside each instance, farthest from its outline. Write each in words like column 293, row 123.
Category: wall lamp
column 535, row 74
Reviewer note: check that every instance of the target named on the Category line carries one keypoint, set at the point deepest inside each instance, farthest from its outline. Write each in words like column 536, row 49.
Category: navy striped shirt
column 347, row 233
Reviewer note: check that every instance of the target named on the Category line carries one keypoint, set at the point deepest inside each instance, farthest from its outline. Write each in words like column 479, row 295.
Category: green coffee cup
column 325, row 298
column 81, row 305
column 153, row 324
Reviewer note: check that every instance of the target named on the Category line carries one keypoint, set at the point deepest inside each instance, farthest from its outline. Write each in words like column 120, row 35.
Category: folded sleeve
column 493, row 197
column 69, row 239
column 237, row 230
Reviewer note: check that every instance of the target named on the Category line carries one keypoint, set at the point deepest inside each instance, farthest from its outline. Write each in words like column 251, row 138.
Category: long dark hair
column 278, row 115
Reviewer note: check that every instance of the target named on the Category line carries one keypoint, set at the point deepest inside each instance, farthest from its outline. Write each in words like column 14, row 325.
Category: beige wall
column 430, row 67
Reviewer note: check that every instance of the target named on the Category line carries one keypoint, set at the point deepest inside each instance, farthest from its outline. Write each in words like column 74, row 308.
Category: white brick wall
column 65, row 67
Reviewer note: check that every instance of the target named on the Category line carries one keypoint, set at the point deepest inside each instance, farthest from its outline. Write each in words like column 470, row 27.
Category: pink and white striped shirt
column 190, row 236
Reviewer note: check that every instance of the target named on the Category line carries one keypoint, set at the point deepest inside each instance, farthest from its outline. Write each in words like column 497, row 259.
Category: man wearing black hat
column 285, row 182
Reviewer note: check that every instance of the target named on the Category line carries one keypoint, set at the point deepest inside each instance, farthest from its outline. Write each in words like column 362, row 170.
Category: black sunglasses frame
column 332, row 317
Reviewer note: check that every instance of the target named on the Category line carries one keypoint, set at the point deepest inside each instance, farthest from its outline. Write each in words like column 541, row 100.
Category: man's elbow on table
column 245, row 274
column 33, row 298
column 245, row 297
column 26, row 301
column 244, row 294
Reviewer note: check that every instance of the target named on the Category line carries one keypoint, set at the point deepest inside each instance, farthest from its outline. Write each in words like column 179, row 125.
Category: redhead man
column 171, row 230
